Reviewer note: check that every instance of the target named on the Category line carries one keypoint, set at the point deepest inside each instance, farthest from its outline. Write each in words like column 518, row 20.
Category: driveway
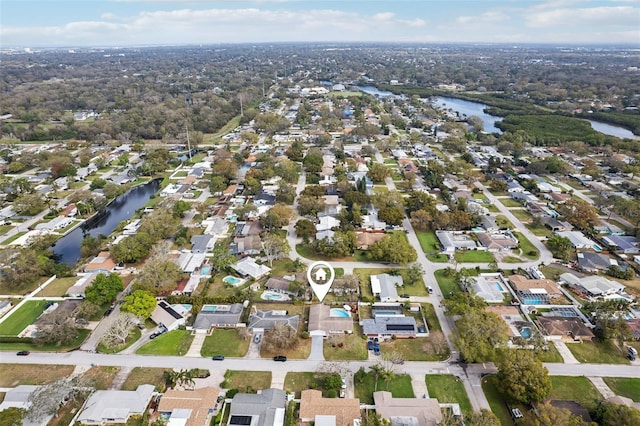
column 317, row 352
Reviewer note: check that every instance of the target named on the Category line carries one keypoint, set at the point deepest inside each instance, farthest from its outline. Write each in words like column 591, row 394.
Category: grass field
column 28, row 346
column 58, row 287
column 474, row 256
column 300, row 351
column 577, row 389
column 448, row 388
column 176, row 342
column 353, row 346
column 446, row 283
column 134, row 336
column 100, row 377
column 144, row 376
column 597, row 353
column 297, row 382
column 413, row 349
column 246, row 381
column 509, row 202
column 413, row 289
column 551, row 355
column 12, row 375
column 528, row 250
column 522, row 215
column 428, row 241
column 23, row 317
column 399, row 386
column 624, row 387
column 496, row 402
column 225, row 342
column 429, row 313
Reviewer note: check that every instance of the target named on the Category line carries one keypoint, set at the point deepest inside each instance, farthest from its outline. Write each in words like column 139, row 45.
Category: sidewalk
column 566, row 354
column 196, row 346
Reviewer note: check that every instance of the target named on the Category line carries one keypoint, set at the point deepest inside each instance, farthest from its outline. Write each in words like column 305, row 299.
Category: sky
column 111, row 23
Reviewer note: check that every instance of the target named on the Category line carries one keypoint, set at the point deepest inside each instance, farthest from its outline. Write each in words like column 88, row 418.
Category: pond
column 370, row 90
column 612, row 130
column 122, row 208
column 466, row 109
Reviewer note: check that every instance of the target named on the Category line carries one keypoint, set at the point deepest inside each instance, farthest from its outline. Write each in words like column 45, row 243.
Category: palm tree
column 387, row 376
column 170, row 378
column 377, row 370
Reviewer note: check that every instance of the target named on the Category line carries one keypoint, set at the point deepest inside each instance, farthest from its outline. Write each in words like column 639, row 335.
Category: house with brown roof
column 343, row 410
column 188, row 407
column 407, row 411
column 324, row 321
column 510, row 315
column 103, row 262
column 497, row 241
column 366, row 239
column 524, row 287
column 568, row 329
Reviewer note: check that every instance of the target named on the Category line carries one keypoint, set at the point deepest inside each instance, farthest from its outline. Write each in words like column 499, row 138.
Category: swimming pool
column 273, row 296
column 597, row 248
column 182, row 307
column 500, row 288
column 525, row 332
column 339, row 313
column 205, row 270
column 209, row 308
column 234, row 281
column 532, row 301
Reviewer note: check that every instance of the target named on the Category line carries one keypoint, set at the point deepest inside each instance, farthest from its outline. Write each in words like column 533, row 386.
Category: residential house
column 261, row 321
column 324, row 320
column 103, row 262
column 188, row 407
column 19, row 397
column 594, row 262
column 326, row 223
column 489, row 286
column 280, row 285
column 493, row 241
column 489, row 223
column 514, row 186
column 367, row 239
column 387, row 310
column 202, row 243
column 247, row 267
column 511, row 316
column 407, row 411
column 385, row 286
column 215, row 226
column 266, row 408
column 218, row 316
column 115, row 406
column 564, row 328
column 594, row 286
column 371, row 222
column 541, row 290
column 555, row 225
column 622, row 244
column 164, row 314
column 578, row 239
column 84, row 281
column 339, row 412
column 451, row 241
column 132, row 227
column 384, row 327
column 69, row 211
column 190, row 262
column 325, row 235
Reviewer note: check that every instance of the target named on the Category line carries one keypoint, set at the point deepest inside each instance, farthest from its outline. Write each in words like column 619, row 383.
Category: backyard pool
column 182, row 307
column 532, row 301
column 205, row 270
column 499, row 286
column 271, row 295
column 339, row 313
column 234, row 281
column 525, row 332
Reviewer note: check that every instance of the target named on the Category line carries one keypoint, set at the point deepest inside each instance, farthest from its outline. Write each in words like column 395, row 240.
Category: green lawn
column 428, row 241
column 496, row 401
column 27, row 345
column 448, row 388
column 528, row 250
column 522, row 215
column 12, row 375
column 418, row 349
column 597, row 352
column 510, row 202
column 492, row 208
column 429, row 313
column 624, row 387
column 413, row 289
column 578, row 389
column 145, row 376
column 474, row 256
column 246, row 381
column 13, row 238
column 550, row 355
column 551, row 273
column 446, row 283
column 540, row 230
column 399, row 386
column 23, row 317
column 297, row 382
column 134, row 336
column 58, row 287
column 225, row 342
column 176, row 342
column 438, row 258
column 345, row 346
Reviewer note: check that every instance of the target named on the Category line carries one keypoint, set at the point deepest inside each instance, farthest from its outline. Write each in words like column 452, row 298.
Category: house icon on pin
column 321, row 275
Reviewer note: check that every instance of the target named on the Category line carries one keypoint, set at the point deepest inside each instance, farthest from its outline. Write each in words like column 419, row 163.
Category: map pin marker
column 320, row 276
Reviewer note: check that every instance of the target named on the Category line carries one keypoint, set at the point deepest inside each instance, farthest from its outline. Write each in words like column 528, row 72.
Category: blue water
column 374, row 91
column 339, row 313
column 597, row 248
column 271, row 296
column 526, row 332
column 532, row 301
column 185, row 306
column 205, row 270
column 466, row 108
column 616, row 131
column 500, row 288
column 231, row 280
column 209, row 308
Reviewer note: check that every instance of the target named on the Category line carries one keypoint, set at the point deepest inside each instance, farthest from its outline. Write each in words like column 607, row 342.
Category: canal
column 104, row 222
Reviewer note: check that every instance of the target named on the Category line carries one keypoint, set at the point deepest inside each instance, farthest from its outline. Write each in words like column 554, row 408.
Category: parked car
column 257, row 338
column 108, row 312
column 280, row 358
column 516, row 413
column 218, row 358
column 370, row 345
column 154, row 335
column 430, row 289
column 23, row 353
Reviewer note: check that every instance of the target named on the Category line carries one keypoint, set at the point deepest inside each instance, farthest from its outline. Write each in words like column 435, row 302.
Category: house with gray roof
column 217, row 316
column 622, row 243
column 594, row 262
column 248, row 267
column 384, row 286
column 115, row 406
column 261, row 321
column 266, row 408
column 202, row 243
column 384, row 327
column 595, row 286
column 166, row 315
column 451, row 241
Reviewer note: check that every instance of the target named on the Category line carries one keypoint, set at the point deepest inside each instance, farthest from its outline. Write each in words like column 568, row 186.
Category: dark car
column 370, row 345
column 280, row 358
column 154, row 335
column 108, row 312
column 218, row 358
column 23, row 353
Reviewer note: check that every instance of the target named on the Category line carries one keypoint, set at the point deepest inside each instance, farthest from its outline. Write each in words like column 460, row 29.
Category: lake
column 374, row 91
column 104, row 222
column 611, row 130
column 467, row 108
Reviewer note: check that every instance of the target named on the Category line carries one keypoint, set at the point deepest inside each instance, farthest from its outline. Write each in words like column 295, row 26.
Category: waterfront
column 105, row 221
column 467, row 108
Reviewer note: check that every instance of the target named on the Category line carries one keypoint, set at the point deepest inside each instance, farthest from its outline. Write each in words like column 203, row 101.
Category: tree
column 462, row 302
column 19, row 266
column 12, row 416
column 393, row 248
column 27, row 204
column 313, row 161
column 119, row 331
column 548, row 415
column 285, row 193
column 274, row 247
column 91, row 245
column 277, row 217
column 483, row 417
column 112, row 190
column 421, row 220
column 221, row 257
column 376, row 370
column 387, row 375
column 332, row 382
column 158, row 275
column 56, row 328
column 579, row 213
column 281, row 336
column 139, row 303
column 560, row 246
column 378, row 172
column 305, row 229
column 607, row 315
column 86, row 310
column 392, row 215
column 217, row 184
column 611, row 414
column 46, row 400
column 522, row 377
column 478, row 334
column 104, row 288
column 310, row 205
column 414, row 273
